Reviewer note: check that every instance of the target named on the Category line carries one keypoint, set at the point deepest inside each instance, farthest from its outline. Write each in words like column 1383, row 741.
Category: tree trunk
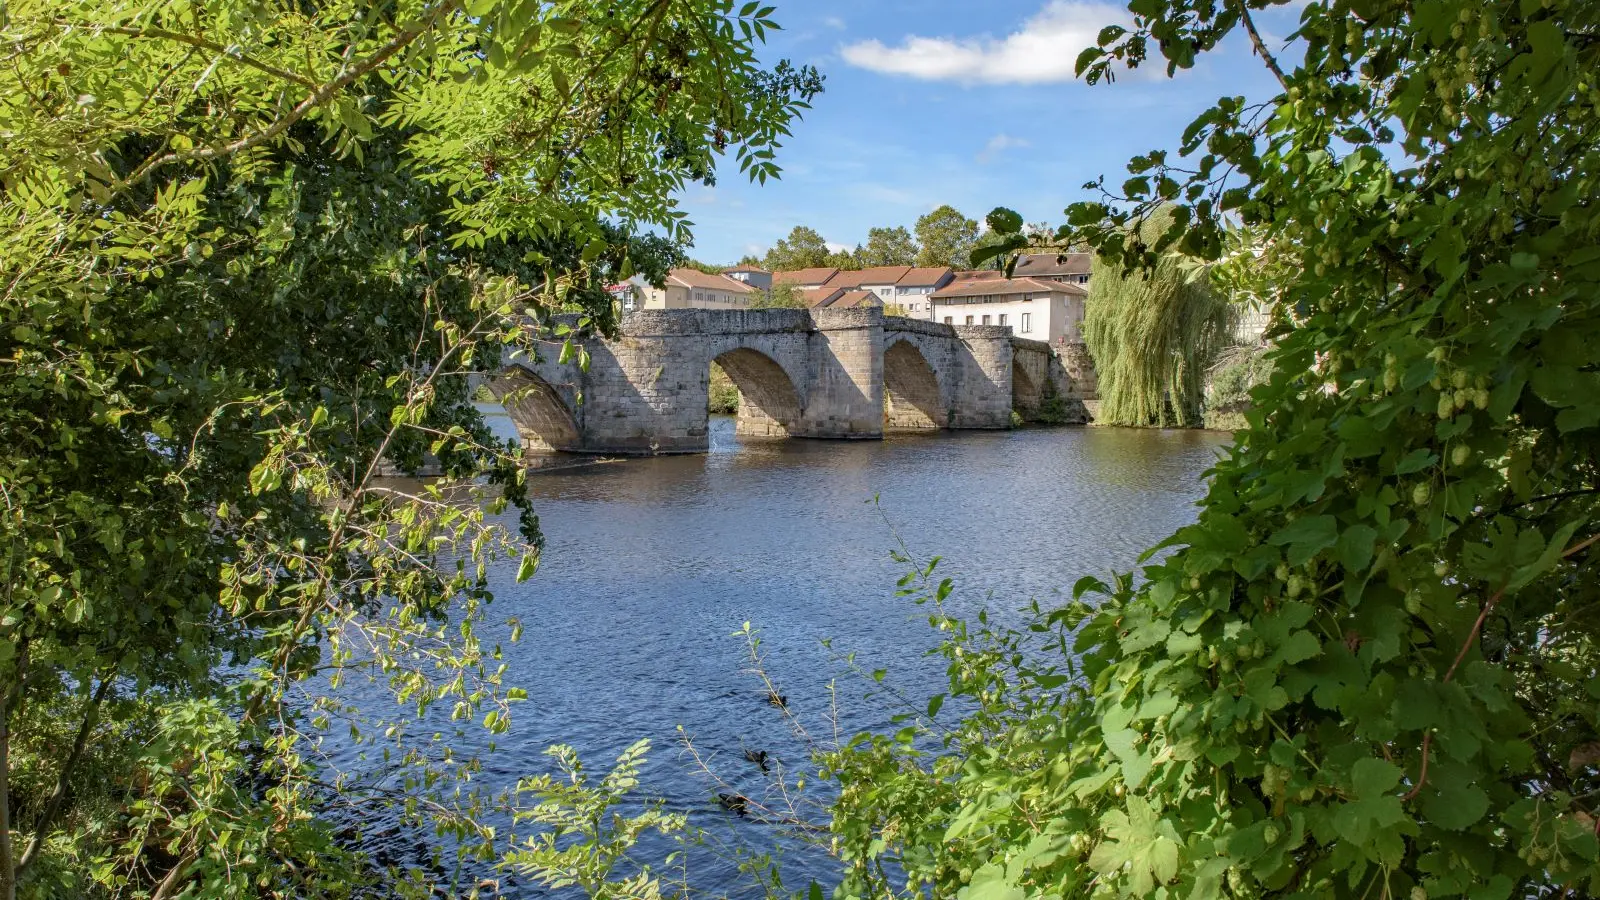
column 52, row 806
column 13, row 696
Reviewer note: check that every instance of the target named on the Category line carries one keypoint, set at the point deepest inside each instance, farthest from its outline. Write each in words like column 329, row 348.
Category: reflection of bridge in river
column 850, row 373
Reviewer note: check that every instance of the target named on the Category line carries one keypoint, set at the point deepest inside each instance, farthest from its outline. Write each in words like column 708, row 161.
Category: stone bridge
column 848, row 374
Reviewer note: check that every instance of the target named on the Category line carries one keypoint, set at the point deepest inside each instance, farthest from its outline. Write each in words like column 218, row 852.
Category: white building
column 1032, row 308
column 694, row 289
column 754, row 276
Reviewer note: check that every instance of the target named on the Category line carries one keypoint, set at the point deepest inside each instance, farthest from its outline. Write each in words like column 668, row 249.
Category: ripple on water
column 651, row 565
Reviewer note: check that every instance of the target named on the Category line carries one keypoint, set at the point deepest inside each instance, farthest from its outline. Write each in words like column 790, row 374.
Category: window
column 947, row 320
column 1002, row 319
column 1027, row 322
column 700, row 296
column 969, row 320
column 985, row 320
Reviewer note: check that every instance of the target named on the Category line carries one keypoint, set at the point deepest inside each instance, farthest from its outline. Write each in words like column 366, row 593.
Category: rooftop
column 1053, row 264
column 694, row 278
column 1000, row 286
column 804, row 276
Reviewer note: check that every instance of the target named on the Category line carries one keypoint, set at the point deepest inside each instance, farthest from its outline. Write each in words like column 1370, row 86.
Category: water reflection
column 651, row 564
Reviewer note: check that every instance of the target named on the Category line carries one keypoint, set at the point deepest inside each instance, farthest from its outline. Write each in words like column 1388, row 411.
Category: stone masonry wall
column 800, row 373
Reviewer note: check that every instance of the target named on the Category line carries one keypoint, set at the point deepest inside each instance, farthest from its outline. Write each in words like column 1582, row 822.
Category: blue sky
column 960, row 102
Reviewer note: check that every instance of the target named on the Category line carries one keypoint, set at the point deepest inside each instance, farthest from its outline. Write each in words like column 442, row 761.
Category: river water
column 652, row 564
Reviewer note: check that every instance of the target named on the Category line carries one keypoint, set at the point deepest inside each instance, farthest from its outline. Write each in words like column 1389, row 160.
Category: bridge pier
column 845, row 371
column 983, row 386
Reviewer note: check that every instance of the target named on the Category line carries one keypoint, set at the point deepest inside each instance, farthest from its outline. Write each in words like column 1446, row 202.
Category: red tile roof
column 925, row 276
column 983, row 287
column 818, row 297
column 978, row 275
column 855, row 298
column 804, row 276
column 694, row 278
column 1032, row 264
column 875, row 275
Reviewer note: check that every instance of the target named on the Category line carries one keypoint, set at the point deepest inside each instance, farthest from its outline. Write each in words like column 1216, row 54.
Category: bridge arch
column 911, row 393
column 769, row 404
column 543, row 420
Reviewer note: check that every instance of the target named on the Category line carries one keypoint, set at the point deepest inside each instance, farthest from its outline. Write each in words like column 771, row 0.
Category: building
column 907, row 287
column 694, row 289
column 1033, row 308
column 627, row 295
column 1067, row 268
column 754, row 276
column 805, row 278
column 841, row 298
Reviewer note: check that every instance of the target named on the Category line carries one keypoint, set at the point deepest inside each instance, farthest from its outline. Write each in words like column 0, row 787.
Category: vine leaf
column 1143, row 841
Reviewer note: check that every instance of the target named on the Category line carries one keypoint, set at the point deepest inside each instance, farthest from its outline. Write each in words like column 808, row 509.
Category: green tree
column 1154, row 334
column 699, row 266
column 946, row 237
column 887, row 247
column 1369, row 669
column 804, row 248
column 254, row 255
column 783, row 295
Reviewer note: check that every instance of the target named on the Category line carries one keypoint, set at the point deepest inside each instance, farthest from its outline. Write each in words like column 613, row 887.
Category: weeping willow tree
column 1154, row 334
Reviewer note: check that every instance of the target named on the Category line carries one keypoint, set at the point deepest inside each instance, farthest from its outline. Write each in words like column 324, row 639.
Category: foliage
column 255, row 256
column 1236, row 373
column 699, row 266
column 1153, row 331
column 804, row 248
column 946, row 238
column 723, row 394
column 1370, row 668
column 887, row 247
column 586, row 833
column 1055, row 409
column 848, row 260
column 1153, row 335
column 782, row 295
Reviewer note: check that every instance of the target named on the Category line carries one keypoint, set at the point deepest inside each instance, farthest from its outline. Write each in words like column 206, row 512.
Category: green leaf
column 1547, row 560
column 1307, row 537
column 527, row 566
column 1456, row 806
column 1372, row 777
column 1355, row 547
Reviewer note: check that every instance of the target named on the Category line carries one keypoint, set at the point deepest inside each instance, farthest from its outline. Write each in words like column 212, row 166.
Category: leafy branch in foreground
column 1370, row 669
column 256, row 256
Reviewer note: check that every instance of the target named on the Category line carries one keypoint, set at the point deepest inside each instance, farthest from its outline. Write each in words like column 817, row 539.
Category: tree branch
column 316, row 98
column 1472, row 638
column 12, row 700
column 203, row 44
column 53, row 805
column 1260, row 45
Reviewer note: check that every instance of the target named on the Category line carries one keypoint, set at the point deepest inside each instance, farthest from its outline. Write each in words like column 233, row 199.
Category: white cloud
column 838, row 248
column 1044, row 50
column 834, row 22
column 998, row 145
